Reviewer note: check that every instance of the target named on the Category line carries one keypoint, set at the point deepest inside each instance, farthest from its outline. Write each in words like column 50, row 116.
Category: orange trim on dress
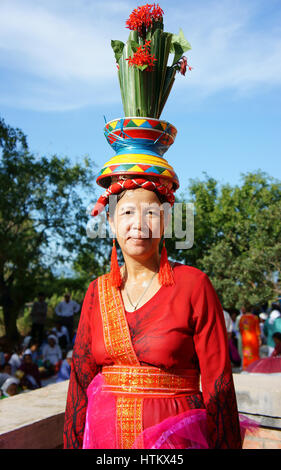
column 149, row 381
column 116, row 332
column 127, row 379
column 119, row 346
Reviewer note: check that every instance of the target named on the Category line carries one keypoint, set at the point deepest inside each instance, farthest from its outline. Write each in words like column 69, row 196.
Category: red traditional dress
column 250, row 335
column 135, row 376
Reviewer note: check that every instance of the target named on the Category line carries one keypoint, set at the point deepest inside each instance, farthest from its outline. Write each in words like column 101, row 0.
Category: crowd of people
column 254, row 336
column 44, row 354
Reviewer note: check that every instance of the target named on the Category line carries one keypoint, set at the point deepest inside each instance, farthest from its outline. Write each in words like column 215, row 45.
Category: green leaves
column 117, row 47
column 134, row 45
column 179, row 46
column 237, row 238
column 42, row 214
column 144, row 92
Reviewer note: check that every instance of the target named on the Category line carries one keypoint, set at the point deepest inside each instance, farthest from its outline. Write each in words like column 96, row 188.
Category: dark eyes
column 150, row 213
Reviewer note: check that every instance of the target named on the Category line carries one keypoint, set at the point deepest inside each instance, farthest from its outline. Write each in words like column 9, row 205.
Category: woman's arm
column 83, row 370
column 210, row 340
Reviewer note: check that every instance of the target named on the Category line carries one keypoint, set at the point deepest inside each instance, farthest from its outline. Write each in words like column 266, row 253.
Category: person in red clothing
column 150, row 330
column 271, row 364
column 251, row 338
column 142, row 327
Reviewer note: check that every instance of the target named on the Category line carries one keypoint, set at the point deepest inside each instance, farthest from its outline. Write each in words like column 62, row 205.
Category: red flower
column 143, row 57
column 142, row 18
column 183, row 65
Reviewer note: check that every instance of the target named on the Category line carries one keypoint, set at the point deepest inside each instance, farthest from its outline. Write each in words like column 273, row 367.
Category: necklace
column 146, row 289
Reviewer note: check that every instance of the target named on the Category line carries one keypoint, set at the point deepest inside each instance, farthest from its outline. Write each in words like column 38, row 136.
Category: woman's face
column 138, row 223
column 51, row 342
column 12, row 390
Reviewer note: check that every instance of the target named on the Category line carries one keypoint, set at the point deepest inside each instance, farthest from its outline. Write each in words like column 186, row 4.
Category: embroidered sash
column 116, row 332
column 127, row 379
column 119, row 346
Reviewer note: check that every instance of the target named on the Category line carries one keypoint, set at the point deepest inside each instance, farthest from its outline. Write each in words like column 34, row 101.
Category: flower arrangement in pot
column 145, row 77
column 140, row 139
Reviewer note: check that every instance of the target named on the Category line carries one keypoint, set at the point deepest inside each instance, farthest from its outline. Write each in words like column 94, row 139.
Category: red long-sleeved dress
column 180, row 328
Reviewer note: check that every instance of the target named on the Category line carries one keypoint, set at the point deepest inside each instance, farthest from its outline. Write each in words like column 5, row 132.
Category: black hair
column 161, row 197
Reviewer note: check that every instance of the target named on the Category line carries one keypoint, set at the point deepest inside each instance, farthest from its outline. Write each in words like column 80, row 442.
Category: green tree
column 42, row 220
column 237, row 237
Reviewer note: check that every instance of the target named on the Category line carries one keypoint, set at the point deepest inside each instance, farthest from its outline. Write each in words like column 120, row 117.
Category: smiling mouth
column 138, row 239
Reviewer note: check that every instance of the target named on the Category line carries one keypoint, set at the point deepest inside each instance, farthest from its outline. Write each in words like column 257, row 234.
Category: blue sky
column 58, row 80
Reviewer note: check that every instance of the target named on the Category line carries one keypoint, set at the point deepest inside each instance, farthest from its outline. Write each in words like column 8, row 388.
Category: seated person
column 16, row 359
column 9, row 388
column 7, row 369
column 30, row 378
column 51, row 356
column 65, row 368
column 62, row 334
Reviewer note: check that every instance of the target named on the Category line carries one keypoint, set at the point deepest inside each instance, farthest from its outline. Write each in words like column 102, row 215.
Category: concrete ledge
column 259, row 397
column 34, row 420
column 44, row 434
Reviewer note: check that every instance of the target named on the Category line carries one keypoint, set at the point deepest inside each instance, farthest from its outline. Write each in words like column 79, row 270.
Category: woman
column 31, row 376
column 9, row 388
column 145, row 344
column 250, row 334
column 269, row 365
column 148, row 331
column 51, row 355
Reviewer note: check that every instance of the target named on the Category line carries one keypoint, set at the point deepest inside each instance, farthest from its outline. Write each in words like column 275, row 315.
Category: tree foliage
column 237, row 237
column 43, row 220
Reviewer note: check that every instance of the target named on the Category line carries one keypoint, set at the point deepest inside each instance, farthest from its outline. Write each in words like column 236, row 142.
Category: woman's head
column 27, row 356
column 124, row 183
column 10, row 387
column 138, row 222
column 52, row 340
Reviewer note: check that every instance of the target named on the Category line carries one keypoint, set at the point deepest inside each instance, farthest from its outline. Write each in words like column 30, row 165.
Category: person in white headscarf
column 9, row 387
column 52, row 354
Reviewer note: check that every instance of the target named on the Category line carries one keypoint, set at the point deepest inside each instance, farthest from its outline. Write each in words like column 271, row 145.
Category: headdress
column 140, row 139
column 6, row 385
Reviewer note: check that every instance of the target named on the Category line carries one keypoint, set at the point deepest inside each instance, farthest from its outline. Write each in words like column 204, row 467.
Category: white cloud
column 231, row 50
column 53, row 46
column 59, row 53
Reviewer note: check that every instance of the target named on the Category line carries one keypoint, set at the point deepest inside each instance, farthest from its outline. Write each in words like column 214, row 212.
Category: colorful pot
column 139, row 144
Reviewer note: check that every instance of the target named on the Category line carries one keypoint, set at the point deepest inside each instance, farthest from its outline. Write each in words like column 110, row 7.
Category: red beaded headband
column 118, row 187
